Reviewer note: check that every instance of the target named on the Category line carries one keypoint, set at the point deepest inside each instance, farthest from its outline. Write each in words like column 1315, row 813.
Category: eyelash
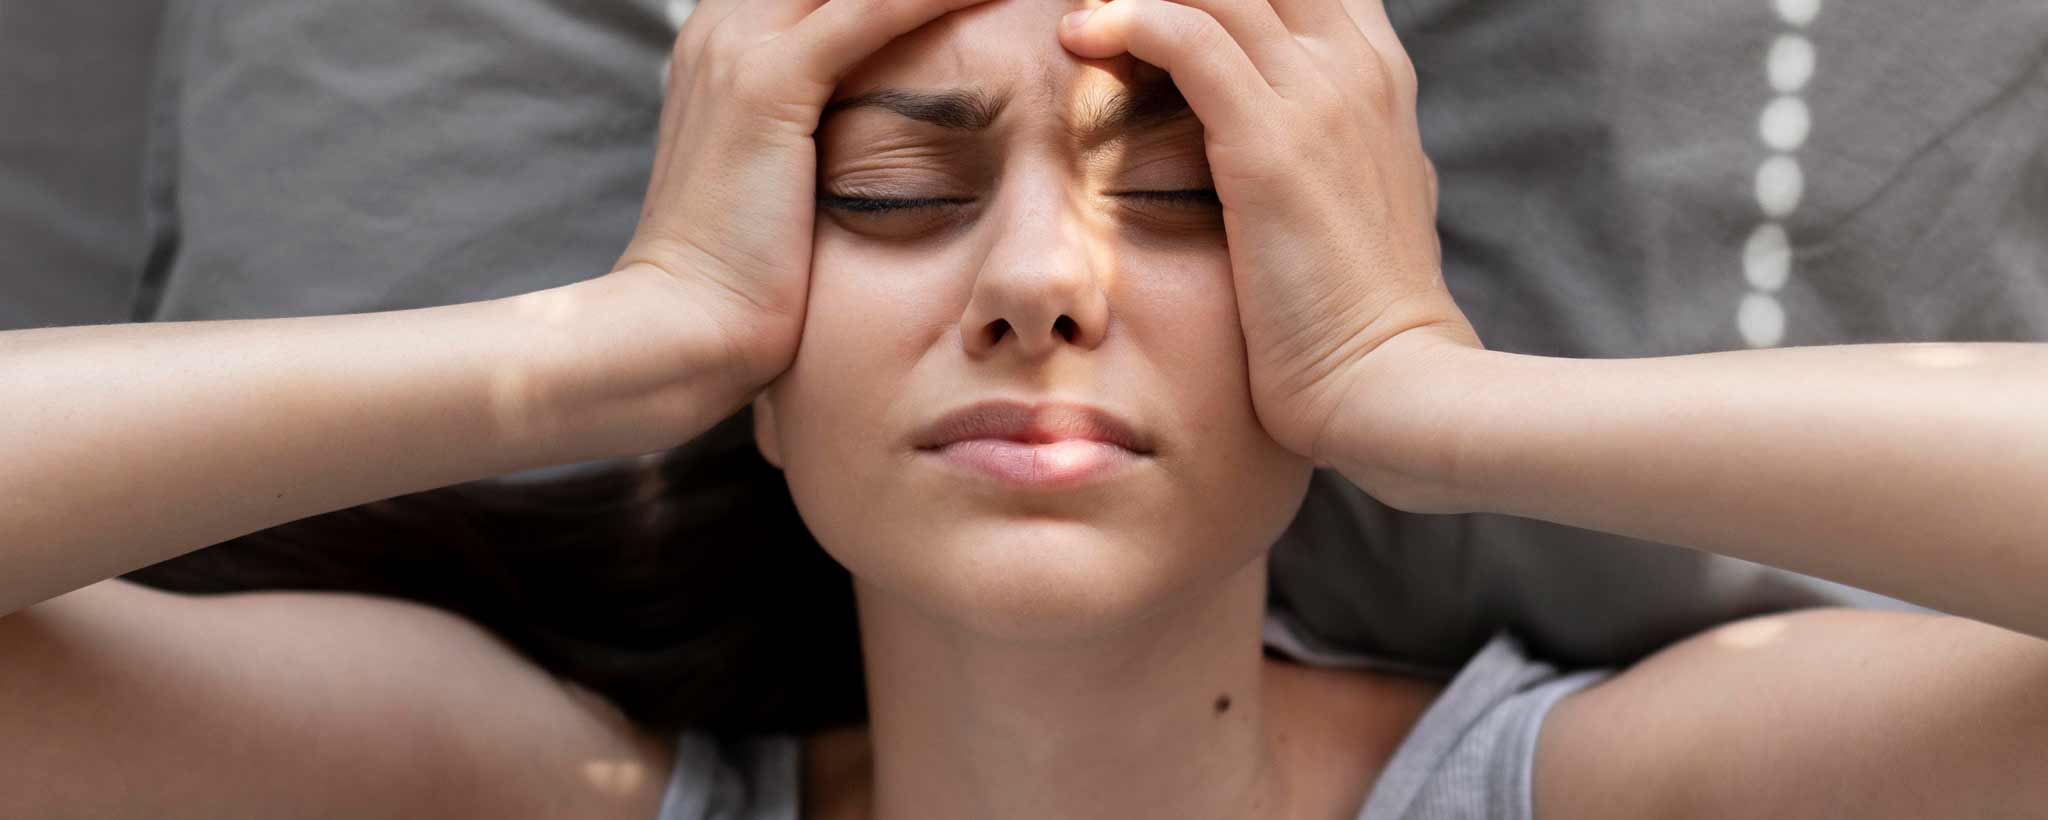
column 868, row 205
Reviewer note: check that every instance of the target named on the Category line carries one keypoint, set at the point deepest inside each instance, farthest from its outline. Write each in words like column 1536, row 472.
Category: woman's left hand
column 1308, row 107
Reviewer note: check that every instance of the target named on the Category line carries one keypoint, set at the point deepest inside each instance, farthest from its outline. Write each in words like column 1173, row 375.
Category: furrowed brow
column 960, row 109
column 1132, row 108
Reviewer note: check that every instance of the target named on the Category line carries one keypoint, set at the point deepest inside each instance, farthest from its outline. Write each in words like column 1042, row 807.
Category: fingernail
column 1074, row 19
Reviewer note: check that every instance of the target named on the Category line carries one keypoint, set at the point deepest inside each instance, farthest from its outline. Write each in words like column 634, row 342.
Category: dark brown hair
column 683, row 587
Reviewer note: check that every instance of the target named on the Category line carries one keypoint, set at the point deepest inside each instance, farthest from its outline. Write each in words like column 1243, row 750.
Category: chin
column 1054, row 581
column 1059, row 567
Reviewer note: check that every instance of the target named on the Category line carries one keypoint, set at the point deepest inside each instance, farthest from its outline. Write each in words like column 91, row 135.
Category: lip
column 1045, row 446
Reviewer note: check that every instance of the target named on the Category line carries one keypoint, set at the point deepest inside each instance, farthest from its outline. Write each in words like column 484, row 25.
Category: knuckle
column 721, row 52
column 723, row 47
column 1197, row 31
column 1380, row 93
column 1326, row 97
column 1333, row 118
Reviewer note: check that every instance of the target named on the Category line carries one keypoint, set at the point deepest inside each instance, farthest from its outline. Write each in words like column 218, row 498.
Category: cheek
column 873, row 316
column 890, row 302
column 1186, row 324
column 1180, row 316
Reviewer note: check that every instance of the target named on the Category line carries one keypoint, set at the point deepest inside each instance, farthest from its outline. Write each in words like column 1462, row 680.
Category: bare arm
column 121, row 701
column 1819, row 714
column 131, row 444
column 1918, row 471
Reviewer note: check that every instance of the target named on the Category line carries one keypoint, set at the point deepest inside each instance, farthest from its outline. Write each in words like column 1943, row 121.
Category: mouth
column 1034, row 446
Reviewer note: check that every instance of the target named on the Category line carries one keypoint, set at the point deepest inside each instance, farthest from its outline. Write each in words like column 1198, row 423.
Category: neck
column 1162, row 718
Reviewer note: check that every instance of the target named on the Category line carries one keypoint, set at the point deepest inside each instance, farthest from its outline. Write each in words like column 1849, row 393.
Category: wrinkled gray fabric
column 73, row 79
column 1599, row 162
column 340, row 157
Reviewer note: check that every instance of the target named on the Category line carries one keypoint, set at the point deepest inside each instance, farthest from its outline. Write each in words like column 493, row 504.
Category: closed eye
column 1190, row 197
column 870, row 205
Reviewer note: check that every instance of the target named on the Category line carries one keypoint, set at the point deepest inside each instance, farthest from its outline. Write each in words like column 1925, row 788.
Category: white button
column 1779, row 185
column 1789, row 63
column 1785, row 124
column 1767, row 258
column 1761, row 320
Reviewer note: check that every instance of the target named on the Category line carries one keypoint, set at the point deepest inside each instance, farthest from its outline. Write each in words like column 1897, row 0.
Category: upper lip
column 1031, row 424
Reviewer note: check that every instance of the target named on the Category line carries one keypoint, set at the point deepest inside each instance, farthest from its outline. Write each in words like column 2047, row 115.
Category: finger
column 1258, row 30
column 1221, row 84
column 697, row 25
column 841, row 33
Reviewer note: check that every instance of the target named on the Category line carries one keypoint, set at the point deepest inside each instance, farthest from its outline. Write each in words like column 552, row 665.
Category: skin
column 124, row 702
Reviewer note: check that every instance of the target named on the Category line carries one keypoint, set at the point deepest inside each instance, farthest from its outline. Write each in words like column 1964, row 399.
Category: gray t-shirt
column 1469, row 757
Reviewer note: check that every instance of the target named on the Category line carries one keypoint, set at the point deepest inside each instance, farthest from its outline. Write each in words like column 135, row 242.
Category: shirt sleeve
column 1472, row 754
column 751, row 779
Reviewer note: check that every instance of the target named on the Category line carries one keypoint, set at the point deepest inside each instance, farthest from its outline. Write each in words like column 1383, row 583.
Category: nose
column 1038, row 289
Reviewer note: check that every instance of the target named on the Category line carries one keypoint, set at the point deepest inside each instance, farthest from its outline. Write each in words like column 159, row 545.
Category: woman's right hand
column 729, row 209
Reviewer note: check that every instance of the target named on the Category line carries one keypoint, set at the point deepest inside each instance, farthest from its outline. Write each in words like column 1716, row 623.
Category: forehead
column 998, row 46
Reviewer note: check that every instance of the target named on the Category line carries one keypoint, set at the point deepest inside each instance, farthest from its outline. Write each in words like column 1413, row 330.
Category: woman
column 1023, row 390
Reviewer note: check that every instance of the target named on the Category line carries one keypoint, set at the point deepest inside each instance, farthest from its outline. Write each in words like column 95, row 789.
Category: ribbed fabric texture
column 1472, row 755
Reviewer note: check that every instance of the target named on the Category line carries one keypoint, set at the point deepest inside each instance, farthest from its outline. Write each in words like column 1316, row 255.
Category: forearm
column 130, row 444
column 1917, row 471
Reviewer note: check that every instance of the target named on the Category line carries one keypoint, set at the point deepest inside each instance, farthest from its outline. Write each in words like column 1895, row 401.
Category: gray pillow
column 1601, row 161
column 384, row 154
column 72, row 241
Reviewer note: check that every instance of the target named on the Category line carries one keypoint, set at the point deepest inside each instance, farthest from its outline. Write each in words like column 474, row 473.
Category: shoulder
column 275, row 703
column 1821, row 713
column 1333, row 730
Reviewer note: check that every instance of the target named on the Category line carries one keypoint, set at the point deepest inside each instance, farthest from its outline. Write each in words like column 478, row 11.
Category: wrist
column 1407, row 429
column 626, row 363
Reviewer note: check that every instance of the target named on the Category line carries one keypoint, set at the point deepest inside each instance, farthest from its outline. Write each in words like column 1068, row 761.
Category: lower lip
column 1045, row 465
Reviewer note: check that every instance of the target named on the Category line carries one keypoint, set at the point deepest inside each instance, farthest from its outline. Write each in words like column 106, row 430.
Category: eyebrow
column 1128, row 109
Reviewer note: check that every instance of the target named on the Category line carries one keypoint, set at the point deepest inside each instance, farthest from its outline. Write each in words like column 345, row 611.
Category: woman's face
column 1048, row 260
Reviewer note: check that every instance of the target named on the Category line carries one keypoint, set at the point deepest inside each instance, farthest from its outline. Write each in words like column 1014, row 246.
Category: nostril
column 1065, row 327
column 996, row 329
